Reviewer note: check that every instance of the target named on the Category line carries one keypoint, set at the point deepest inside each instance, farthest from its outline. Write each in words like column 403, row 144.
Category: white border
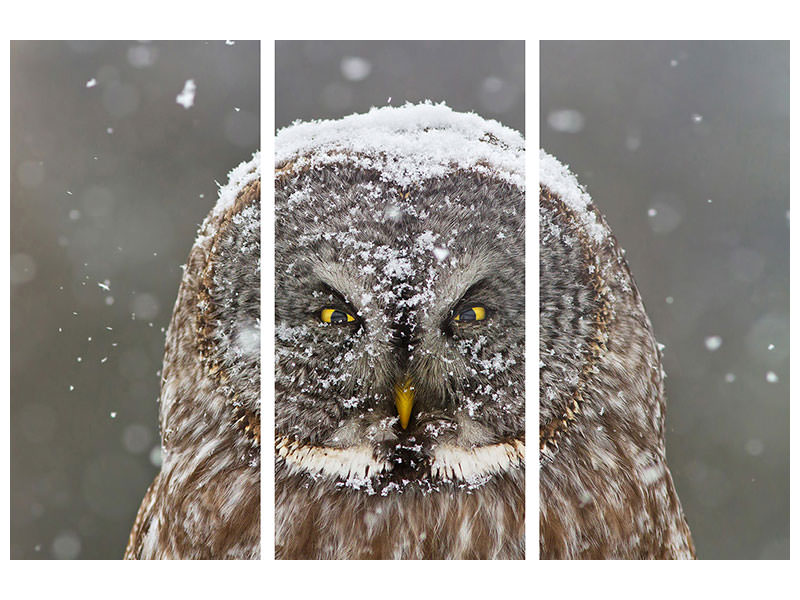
column 410, row 20
column 267, row 300
column 532, row 300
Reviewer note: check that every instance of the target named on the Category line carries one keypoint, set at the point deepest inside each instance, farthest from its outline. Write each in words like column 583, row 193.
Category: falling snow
column 186, row 97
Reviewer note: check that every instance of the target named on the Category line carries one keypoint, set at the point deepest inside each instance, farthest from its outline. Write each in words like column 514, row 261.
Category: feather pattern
column 205, row 502
column 605, row 489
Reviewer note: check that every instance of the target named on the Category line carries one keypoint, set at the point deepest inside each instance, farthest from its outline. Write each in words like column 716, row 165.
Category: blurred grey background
column 684, row 146
column 110, row 178
column 331, row 79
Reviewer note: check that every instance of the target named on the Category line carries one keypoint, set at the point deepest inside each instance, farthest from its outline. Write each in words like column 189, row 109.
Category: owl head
column 212, row 359
column 598, row 357
column 400, row 308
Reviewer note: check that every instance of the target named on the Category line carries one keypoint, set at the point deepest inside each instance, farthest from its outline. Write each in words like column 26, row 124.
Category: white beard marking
column 452, row 463
column 356, row 462
column 448, row 463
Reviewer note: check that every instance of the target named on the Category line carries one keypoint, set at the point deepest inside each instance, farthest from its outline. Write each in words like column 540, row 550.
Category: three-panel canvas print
column 401, row 336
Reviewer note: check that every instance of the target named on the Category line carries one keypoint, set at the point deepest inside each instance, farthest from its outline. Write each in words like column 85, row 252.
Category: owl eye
column 336, row 317
column 475, row 313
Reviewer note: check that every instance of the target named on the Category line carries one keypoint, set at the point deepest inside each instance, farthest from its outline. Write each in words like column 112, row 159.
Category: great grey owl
column 205, row 502
column 400, row 323
column 605, row 489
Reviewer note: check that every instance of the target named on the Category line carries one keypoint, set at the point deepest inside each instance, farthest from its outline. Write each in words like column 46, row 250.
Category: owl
column 400, row 328
column 605, row 489
column 205, row 502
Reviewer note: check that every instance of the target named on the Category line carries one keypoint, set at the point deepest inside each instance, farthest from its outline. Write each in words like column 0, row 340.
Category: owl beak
column 404, row 401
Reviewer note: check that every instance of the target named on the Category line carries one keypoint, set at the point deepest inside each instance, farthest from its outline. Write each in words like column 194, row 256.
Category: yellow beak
column 404, row 401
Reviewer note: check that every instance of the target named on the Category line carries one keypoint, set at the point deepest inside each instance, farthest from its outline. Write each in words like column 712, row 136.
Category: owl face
column 399, row 326
column 234, row 301
column 228, row 320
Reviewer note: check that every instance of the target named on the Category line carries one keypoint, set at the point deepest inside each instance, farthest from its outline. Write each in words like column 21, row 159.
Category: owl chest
column 326, row 522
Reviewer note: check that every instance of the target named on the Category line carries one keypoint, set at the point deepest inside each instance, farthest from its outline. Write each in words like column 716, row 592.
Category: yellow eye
column 331, row 315
column 476, row 313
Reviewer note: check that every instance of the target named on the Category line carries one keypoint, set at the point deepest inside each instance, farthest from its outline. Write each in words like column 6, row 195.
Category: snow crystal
column 142, row 56
column 186, row 97
column 136, row 438
column 664, row 217
column 713, row 343
column 145, row 306
column 772, row 377
column 425, row 240
column 66, row 546
column 155, row 456
column 247, row 338
column 23, row 268
column 754, row 447
column 413, row 143
column 91, row 83
column 633, row 141
column 561, row 181
column 112, row 414
column 566, row 120
column 492, row 84
column 355, row 68
column 441, row 253
column 697, row 118
column 393, row 213
column 730, row 377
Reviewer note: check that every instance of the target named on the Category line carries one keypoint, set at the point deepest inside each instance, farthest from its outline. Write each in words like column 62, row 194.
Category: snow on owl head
column 400, row 324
